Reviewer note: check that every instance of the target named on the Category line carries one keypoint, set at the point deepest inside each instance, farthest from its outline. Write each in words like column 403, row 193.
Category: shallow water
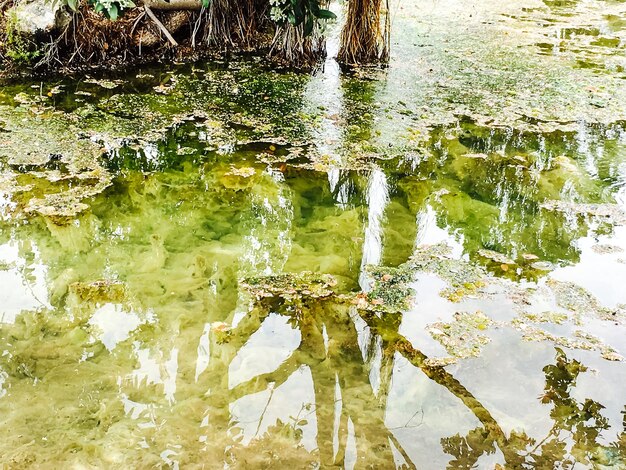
column 143, row 217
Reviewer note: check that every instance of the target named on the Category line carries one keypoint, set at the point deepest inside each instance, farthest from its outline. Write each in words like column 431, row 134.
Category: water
column 141, row 325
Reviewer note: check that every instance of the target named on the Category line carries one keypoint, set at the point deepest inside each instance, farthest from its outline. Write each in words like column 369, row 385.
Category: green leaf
column 308, row 26
column 326, row 15
column 298, row 12
column 314, row 7
column 73, row 4
column 113, row 12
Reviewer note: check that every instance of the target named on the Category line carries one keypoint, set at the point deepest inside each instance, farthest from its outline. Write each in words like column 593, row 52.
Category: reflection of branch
column 267, row 405
column 406, row 425
column 342, row 439
column 400, row 449
column 439, row 375
column 344, row 355
column 445, row 379
column 30, row 287
column 386, row 374
column 356, row 387
column 261, row 382
column 248, row 325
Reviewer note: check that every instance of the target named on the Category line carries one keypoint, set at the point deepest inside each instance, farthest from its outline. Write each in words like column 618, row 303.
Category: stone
column 39, row 16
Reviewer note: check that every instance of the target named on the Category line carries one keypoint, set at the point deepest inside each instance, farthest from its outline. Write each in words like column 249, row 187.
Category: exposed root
column 365, row 38
column 186, row 33
column 291, row 47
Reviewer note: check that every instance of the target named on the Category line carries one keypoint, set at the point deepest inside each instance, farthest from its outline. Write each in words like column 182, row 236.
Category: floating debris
column 465, row 279
column 291, row 285
column 606, row 249
column 557, row 318
column 185, row 151
column 438, row 259
column 390, row 290
column 244, row 172
column 580, row 340
column 62, row 208
column 463, row 337
column 107, row 84
column 542, row 266
column 608, row 212
column 579, row 301
column 495, row 256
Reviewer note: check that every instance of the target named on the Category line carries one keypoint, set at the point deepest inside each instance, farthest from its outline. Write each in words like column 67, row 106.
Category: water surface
column 143, row 217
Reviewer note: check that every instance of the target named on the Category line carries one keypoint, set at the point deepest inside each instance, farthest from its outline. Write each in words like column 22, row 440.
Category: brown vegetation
column 186, row 30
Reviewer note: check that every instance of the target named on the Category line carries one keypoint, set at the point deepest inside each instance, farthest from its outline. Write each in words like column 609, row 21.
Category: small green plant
column 297, row 12
column 18, row 48
column 112, row 9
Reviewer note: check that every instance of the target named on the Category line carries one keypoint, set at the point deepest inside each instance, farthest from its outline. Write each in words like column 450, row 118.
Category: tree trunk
column 365, row 36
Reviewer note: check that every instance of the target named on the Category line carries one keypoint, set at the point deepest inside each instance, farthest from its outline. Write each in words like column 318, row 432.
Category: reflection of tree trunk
column 323, row 383
column 386, row 374
column 342, row 364
column 356, row 391
column 439, row 375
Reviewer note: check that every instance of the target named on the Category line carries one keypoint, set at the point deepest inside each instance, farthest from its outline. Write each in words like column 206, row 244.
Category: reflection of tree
column 488, row 185
column 347, row 405
column 187, row 274
column 340, row 365
column 576, row 424
column 574, row 437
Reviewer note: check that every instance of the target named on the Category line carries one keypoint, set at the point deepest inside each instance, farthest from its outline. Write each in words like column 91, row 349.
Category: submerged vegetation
column 226, row 265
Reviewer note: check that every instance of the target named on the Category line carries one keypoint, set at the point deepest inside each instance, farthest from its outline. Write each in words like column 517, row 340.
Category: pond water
column 225, row 266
